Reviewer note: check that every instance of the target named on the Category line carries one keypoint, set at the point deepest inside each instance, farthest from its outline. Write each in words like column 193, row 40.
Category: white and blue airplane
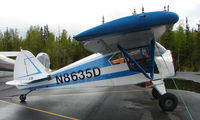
column 125, row 52
column 6, row 63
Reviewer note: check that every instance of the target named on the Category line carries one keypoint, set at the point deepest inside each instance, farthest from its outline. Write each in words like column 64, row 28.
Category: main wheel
column 168, row 102
column 22, row 98
column 155, row 94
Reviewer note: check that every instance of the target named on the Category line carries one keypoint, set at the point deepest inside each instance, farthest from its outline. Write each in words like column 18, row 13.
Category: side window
column 142, row 57
column 117, row 59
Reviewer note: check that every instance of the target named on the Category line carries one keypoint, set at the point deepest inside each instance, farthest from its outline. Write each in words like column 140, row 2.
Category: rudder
column 28, row 67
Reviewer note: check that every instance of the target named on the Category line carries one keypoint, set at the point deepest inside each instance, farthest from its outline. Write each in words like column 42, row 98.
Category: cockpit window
column 117, row 59
column 141, row 56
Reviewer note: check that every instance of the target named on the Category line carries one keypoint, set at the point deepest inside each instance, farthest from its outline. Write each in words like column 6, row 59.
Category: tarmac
column 101, row 103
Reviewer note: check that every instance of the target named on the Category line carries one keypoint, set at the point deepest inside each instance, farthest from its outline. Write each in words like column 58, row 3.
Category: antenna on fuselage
column 20, row 48
column 134, row 12
column 167, row 7
column 164, row 8
column 142, row 9
column 103, row 19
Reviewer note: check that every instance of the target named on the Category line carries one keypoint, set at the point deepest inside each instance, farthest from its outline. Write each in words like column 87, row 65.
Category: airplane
column 126, row 52
column 7, row 64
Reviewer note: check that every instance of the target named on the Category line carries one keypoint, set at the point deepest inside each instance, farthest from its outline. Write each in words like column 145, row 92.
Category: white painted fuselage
column 95, row 70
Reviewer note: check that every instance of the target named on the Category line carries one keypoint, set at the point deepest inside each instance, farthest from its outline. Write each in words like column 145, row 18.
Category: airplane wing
column 7, row 64
column 9, row 54
column 130, row 32
column 16, row 82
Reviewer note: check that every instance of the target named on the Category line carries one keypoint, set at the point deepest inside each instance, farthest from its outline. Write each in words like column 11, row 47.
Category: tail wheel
column 168, row 102
column 22, row 97
column 155, row 94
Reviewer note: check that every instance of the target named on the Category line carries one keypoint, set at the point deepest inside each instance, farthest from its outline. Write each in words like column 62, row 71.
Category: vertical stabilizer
column 27, row 67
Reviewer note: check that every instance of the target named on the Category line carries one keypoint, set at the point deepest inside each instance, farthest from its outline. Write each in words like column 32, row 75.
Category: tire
column 155, row 94
column 168, row 102
column 22, row 98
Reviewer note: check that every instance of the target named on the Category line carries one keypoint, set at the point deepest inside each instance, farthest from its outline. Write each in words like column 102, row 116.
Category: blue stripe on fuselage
column 101, row 77
column 100, row 63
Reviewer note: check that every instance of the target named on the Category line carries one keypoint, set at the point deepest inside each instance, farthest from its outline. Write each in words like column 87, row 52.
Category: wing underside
column 129, row 32
column 108, row 43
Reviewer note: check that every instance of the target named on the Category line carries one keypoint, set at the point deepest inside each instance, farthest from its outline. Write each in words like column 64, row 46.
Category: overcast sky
column 78, row 15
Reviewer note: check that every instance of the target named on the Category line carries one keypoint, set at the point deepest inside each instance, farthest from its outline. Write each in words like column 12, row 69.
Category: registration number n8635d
column 79, row 75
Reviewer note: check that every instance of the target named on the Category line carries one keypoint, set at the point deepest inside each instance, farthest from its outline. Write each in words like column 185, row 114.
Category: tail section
column 27, row 66
column 27, row 69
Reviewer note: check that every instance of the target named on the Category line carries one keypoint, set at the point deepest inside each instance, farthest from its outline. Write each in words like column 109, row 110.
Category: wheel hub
column 168, row 102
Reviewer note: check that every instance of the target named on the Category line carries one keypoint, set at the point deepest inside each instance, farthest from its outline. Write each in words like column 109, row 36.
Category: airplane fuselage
column 95, row 70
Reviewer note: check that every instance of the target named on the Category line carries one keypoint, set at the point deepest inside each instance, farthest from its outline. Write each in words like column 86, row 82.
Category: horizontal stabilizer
column 15, row 82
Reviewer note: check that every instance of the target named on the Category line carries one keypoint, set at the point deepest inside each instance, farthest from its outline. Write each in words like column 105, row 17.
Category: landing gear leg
column 22, row 97
column 155, row 93
column 167, row 101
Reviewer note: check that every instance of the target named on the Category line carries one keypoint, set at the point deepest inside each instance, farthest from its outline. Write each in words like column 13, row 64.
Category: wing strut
column 131, row 59
column 152, row 54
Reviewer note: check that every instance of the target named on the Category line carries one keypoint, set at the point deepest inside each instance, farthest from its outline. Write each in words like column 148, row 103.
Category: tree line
column 185, row 47
column 63, row 49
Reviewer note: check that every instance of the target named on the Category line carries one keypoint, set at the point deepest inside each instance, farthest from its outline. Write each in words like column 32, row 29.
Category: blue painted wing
column 130, row 32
